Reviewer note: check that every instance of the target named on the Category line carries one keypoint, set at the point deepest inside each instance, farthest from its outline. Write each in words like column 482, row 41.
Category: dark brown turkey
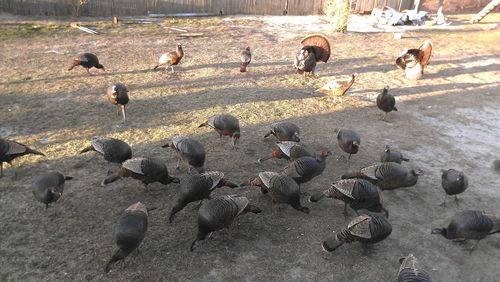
column 315, row 48
column 470, row 225
column 171, row 59
column 219, row 213
column 290, row 151
column 225, row 125
column 358, row 193
column 10, row 150
column 190, row 151
column 409, row 271
column 414, row 61
column 113, row 150
column 130, row 230
column 387, row 176
column 86, row 60
column 454, row 182
column 348, row 140
column 48, row 187
column 392, row 156
column 367, row 229
column 281, row 187
column 304, row 169
column 245, row 58
column 284, row 131
column 197, row 188
column 386, row 102
column 147, row 170
column 118, row 95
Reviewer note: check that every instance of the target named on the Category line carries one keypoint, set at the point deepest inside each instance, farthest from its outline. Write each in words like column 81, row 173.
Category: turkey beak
column 151, row 209
column 166, row 145
column 419, row 172
column 270, row 156
column 68, row 177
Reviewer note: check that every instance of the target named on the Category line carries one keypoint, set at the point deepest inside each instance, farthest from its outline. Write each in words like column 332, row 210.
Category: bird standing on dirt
column 113, row 150
column 130, row 230
column 358, row 193
column 9, row 150
column 304, row 169
column 225, row 125
column 414, row 61
column 86, row 60
column 469, row 224
column 48, row 187
column 171, row 59
column 386, row 102
column 289, row 150
column 197, row 188
column 409, row 271
column 315, row 48
column 367, row 229
column 245, row 58
column 281, row 187
column 189, row 150
column 284, row 131
column 147, row 170
column 118, row 95
column 219, row 213
column 454, row 182
column 387, row 176
column 392, row 156
column 348, row 140
column 337, row 89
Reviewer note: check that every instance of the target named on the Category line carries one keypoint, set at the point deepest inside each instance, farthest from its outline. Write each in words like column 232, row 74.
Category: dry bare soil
column 449, row 119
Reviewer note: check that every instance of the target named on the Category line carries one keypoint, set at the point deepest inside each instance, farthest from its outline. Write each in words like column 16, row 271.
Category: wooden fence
column 143, row 7
column 362, row 6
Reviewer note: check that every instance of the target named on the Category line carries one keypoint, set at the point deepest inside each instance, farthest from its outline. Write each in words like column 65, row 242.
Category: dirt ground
column 449, row 119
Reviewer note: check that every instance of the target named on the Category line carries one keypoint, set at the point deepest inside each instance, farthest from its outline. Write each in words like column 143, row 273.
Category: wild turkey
column 48, row 187
column 189, row 150
column 113, row 150
column 348, row 140
column 118, row 95
column 454, row 182
column 358, row 193
column 289, row 150
column 130, row 230
column 315, row 48
column 386, row 102
column 367, row 229
column 10, row 150
column 414, row 61
column 225, row 125
column 86, row 60
column 281, row 187
column 171, row 59
column 245, row 58
column 199, row 187
column 392, row 156
column 469, row 224
column 284, row 131
column 409, row 271
column 147, row 170
column 304, row 169
column 219, row 213
column 334, row 89
column 387, row 176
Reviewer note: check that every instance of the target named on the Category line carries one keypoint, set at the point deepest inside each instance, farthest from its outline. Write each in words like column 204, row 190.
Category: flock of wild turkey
column 361, row 190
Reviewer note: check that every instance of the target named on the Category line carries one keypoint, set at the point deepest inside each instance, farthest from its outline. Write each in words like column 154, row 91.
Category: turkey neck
column 349, row 84
column 179, row 51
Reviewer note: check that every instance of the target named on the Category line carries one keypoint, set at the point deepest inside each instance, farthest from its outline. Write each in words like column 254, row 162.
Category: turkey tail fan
column 320, row 44
column 426, row 48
